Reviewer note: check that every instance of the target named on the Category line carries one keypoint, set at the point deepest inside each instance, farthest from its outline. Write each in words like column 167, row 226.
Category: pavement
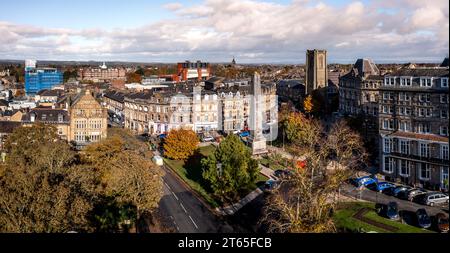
column 352, row 192
column 187, row 212
column 230, row 210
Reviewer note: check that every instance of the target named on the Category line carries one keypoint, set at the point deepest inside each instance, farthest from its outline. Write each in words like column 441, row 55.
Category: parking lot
column 377, row 197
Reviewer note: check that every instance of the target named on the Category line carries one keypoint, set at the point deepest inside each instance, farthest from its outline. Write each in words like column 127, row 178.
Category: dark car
column 398, row 190
column 392, row 211
column 423, row 220
column 442, row 222
column 411, row 194
column 282, row 173
column 271, row 185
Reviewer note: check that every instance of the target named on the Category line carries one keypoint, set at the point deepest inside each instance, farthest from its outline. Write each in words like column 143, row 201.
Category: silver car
column 434, row 198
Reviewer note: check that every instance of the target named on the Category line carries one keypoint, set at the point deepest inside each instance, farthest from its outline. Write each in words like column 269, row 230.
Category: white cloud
column 254, row 31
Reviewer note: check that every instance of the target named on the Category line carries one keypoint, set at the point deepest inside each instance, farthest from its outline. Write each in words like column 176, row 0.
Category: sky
column 252, row 31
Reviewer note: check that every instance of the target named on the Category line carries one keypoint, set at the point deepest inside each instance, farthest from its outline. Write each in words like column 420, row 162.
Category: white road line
column 167, row 186
column 193, row 222
column 184, row 209
column 175, row 196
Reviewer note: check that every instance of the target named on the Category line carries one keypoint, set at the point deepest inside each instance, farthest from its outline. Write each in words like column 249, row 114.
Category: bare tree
column 306, row 198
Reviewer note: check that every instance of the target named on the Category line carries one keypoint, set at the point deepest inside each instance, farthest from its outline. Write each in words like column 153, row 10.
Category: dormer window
column 405, row 81
column 444, row 82
column 425, row 81
column 389, row 81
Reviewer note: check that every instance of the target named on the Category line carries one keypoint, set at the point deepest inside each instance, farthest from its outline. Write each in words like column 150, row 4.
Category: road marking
column 193, row 222
column 174, row 195
column 167, row 186
column 184, row 209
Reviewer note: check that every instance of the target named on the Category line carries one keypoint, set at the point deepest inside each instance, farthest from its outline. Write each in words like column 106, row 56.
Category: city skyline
column 217, row 30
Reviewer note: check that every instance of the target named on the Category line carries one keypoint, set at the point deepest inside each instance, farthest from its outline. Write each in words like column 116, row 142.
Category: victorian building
column 413, row 128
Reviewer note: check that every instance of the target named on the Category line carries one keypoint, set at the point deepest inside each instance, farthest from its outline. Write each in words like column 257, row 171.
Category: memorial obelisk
column 257, row 139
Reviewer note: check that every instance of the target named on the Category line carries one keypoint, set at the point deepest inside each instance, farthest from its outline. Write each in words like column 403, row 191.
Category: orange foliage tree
column 180, row 144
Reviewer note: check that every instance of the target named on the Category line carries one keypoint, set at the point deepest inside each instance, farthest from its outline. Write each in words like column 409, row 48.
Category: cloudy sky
column 254, row 31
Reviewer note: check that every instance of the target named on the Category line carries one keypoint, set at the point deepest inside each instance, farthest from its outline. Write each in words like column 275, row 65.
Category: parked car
column 434, row 198
column 271, row 185
column 423, row 220
column 442, row 222
column 364, row 181
column 282, row 173
column 397, row 190
column 392, row 211
column 207, row 138
column 383, row 186
column 244, row 134
column 411, row 194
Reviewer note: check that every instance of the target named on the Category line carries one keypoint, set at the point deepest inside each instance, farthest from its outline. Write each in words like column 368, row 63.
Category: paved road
column 372, row 196
column 187, row 213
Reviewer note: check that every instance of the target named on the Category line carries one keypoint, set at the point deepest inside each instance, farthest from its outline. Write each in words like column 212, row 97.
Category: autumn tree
column 41, row 189
column 133, row 78
column 308, row 104
column 47, row 187
column 125, row 174
column 305, row 200
column 180, row 144
column 230, row 170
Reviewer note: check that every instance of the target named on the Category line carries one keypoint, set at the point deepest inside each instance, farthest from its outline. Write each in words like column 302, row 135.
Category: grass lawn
column 261, row 180
column 191, row 172
column 344, row 220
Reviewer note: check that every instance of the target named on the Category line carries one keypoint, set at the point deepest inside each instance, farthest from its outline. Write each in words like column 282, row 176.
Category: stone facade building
column 359, row 98
column 193, row 107
column 88, row 120
column 56, row 117
column 413, row 122
column 101, row 74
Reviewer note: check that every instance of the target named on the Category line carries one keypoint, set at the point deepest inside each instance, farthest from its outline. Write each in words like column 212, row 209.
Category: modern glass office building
column 37, row 79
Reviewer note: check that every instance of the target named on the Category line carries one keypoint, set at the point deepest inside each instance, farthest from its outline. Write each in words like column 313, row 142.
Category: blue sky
column 106, row 14
column 215, row 30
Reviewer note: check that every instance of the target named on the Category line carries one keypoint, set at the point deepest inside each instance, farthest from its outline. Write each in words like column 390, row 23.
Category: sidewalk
column 230, row 210
column 267, row 172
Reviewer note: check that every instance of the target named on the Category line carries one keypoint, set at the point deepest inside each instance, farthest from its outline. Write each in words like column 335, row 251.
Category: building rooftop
column 418, row 72
column 47, row 115
column 366, row 67
column 7, row 127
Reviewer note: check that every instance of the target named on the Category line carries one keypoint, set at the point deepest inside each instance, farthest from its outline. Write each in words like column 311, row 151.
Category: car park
column 392, row 211
column 423, row 220
column 433, row 198
column 441, row 222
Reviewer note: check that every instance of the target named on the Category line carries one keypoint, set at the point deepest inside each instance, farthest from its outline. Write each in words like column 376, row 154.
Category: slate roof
column 426, row 72
column 7, row 127
column 47, row 115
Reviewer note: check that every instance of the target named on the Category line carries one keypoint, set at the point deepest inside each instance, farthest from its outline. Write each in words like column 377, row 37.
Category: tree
column 230, row 170
column 302, row 131
column 180, row 144
column 47, row 187
column 41, row 189
column 308, row 104
column 133, row 78
column 305, row 200
column 125, row 174
column 70, row 74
